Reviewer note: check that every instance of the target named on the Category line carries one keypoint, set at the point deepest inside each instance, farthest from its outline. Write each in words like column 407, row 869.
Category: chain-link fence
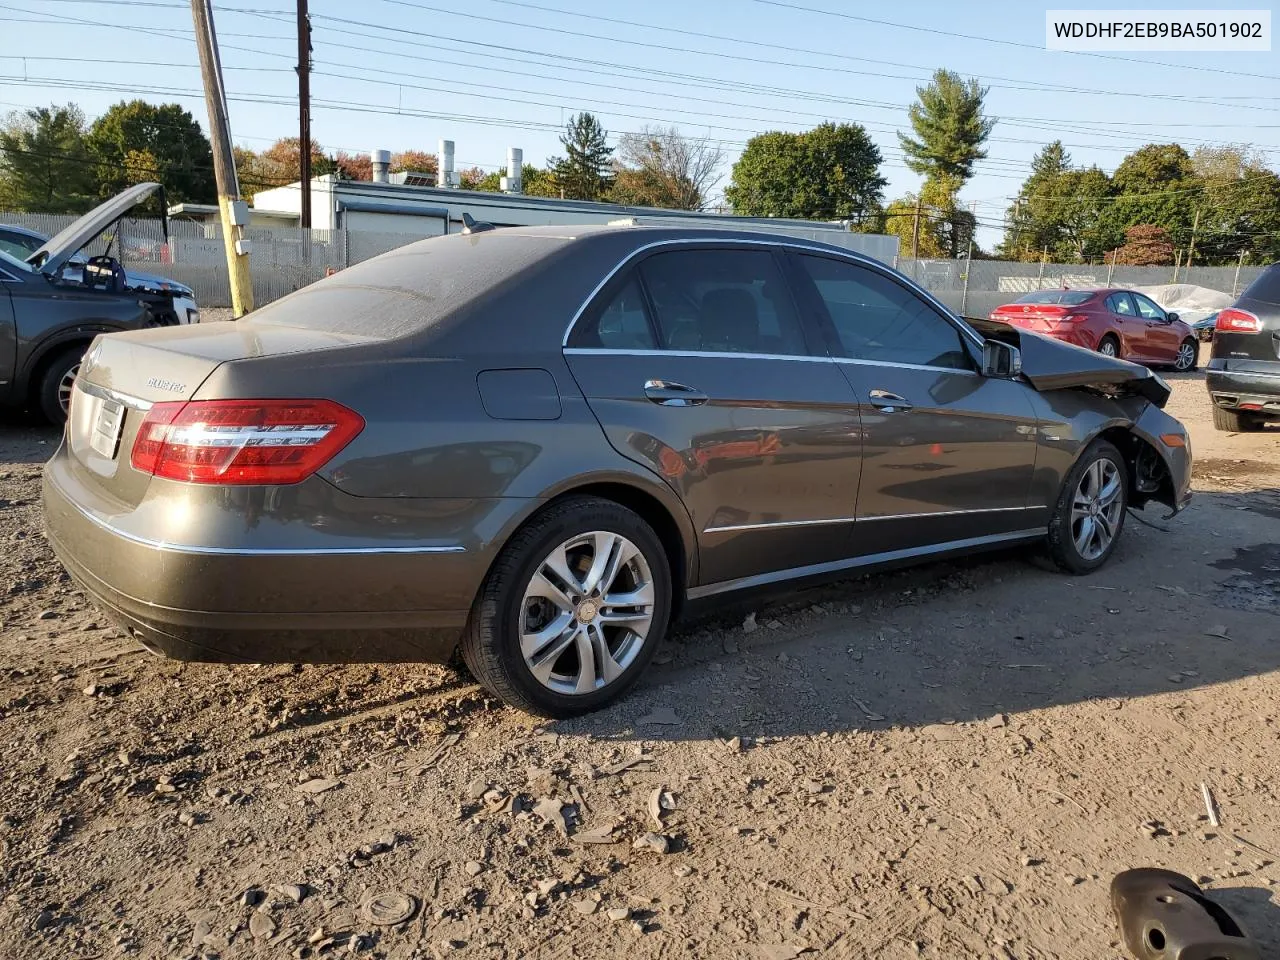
column 975, row 289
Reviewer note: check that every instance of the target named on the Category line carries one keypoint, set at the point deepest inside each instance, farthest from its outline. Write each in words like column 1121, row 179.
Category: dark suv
column 1244, row 370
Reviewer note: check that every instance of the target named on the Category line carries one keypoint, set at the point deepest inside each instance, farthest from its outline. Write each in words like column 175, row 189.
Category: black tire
column 1111, row 339
column 1234, row 421
column 1062, row 543
column 491, row 642
column 1195, row 355
column 48, row 390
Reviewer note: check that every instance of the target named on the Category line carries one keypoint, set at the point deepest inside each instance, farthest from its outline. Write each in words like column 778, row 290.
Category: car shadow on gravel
column 1255, row 911
column 970, row 640
column 25, row 439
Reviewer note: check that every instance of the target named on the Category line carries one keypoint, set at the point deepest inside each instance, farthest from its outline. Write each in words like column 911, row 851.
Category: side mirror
column 1001, row 360
column 1172, row 317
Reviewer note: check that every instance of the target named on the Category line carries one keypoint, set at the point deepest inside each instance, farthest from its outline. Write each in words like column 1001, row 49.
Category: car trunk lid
column 1040, row 317
column 124, row 375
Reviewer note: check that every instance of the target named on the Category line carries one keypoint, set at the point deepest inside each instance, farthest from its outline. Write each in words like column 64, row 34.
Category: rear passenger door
column 1128, row 325
column 696, row 363
column 948, row 454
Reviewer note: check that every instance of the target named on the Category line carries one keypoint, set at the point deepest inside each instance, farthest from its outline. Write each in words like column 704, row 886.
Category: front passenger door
column 948, row 454
column 1161, row 340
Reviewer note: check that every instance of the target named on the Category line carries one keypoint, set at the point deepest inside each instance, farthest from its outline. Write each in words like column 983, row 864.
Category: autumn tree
column 660, row 167
column 1145, row 245
column 583, row 173
column 414, row 161
column 354, row 166
column 136, row 141
column 828, row 173
column 45, row 165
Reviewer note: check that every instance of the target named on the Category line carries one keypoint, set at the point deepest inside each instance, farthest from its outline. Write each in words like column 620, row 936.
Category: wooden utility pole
column 915, row 232
column 304, row 111
column 234, row 212
column 1191, row 248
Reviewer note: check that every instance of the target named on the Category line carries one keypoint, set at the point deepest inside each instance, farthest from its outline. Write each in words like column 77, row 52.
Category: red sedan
column 1117, row 323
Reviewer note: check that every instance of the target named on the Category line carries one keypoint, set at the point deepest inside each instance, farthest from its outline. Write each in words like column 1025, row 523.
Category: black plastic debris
column 1166, row 916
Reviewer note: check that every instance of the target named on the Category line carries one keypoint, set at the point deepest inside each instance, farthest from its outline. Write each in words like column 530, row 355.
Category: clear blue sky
column 490, row 74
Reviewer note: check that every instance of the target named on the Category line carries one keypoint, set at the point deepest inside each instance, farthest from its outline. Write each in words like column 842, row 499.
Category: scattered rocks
column 473, row 868
column 655, row 842
column 660, row 801
column 749, row 625
column 596, row 835
column 290, row 891
column 551, row 811
column 585, row 906
column 261, row 925
column 43, row 919
column 998, row 721
column 47, row 615
column 618, row 914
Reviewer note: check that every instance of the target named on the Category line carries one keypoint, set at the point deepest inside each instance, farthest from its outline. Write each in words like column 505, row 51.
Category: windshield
column 13, row 263
column 1068, row 298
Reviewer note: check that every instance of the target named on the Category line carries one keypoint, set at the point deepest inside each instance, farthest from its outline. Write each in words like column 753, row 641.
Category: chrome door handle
column 668, row 393
column 888, row 402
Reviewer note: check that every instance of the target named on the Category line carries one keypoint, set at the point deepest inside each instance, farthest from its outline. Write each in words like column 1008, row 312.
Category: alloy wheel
column 1186, row 358
column 1095, row 509
column 586, row 612
column 1107, row 348
column 65, row 386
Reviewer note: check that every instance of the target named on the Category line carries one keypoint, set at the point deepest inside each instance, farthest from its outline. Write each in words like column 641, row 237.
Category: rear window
column 1266, row 288
column 410, row 289
column 1069, row 298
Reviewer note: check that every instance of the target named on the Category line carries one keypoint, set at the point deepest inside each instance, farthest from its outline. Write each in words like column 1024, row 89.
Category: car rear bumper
column 330, row 602
column 1250, row 390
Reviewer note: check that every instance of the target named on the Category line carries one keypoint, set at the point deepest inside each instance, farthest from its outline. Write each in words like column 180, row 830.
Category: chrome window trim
column 906, row 366
column 255, row 551
column 790, row 244
column 724, row 355
column 7, row 277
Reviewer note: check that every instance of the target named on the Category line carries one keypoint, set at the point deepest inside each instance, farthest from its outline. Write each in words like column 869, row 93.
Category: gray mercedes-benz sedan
column 542, row 444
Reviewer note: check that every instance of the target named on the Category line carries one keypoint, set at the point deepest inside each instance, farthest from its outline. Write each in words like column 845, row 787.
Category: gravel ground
column 947, row 762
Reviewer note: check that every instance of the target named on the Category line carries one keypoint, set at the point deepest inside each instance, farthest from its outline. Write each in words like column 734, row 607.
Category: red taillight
column 1232, row 320
column 1072, row 318
column 242, row 441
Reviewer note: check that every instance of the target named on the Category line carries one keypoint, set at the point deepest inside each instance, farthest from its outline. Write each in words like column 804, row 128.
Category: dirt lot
column 949, row 762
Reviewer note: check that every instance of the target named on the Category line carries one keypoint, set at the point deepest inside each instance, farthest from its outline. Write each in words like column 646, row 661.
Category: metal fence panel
column 283, row 259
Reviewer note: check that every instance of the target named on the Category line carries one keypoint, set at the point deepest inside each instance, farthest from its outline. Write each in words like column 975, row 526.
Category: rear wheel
column 1109, row 346
column 54, row 391
column 1234, row 421
column 1089, row 515
column 572, row 610
column 1188, row 355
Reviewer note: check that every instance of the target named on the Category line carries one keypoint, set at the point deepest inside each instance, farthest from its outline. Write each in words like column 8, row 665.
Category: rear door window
column 1121, row 304
column 722, row 301
column 622, row 324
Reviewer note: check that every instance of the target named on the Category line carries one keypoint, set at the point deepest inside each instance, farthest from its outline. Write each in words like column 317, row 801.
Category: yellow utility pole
column 234, row 211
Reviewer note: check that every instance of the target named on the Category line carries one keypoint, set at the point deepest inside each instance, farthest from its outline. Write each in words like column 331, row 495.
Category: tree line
column 1161, row 203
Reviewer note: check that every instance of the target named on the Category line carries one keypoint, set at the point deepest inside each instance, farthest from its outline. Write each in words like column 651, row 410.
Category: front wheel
column 1188, row 356
column 572, row 610
column 1089, row 515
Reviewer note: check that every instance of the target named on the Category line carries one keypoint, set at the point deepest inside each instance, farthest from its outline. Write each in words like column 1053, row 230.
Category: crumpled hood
column 1049, row 364
column 66, row 243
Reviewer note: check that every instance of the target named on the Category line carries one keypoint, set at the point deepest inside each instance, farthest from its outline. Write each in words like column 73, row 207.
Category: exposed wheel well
column 654, row 513
column 1149, row 478
column 46, row 359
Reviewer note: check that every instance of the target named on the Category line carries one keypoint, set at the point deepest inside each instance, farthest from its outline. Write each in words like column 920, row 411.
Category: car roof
column 14, row 228
column 645, row 234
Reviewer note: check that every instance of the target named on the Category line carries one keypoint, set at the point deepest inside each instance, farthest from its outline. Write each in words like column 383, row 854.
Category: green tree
column 900, row 221
column 45, row 166
column 583, row 173
column 1240, row 210
column 1058, row 208
column 660, row 167
column 1156, row 185
column 170, row 135
column 828, row 173
column 950, row 129
column 535, row 182
column 949, row 126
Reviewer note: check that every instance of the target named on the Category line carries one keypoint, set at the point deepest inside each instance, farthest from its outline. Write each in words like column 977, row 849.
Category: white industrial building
column 413, row 205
